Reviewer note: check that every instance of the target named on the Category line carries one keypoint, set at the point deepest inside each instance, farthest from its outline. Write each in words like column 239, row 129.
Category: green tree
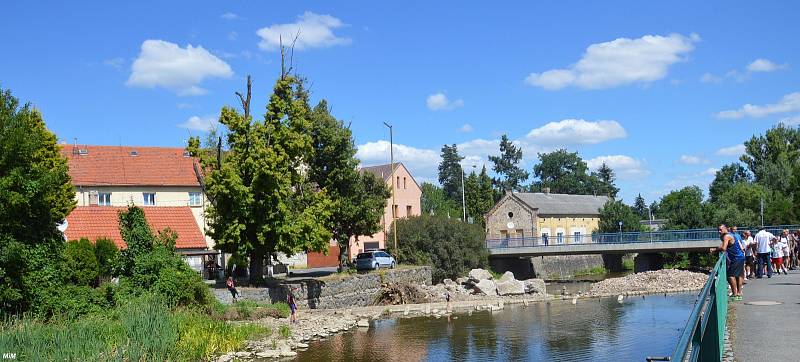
column 683, row 208
column 262, row 199
column 450, row 246
column 640, row 207
column 479, row 195
column 565, row 172
column 435, row 202
column 615, row 211
column 81, row 266
column 773, row 157
column 35, row 195
column 506, row 166
column 605, row 176
column 358, row 198
column 727, row 176
column 450, row 172
column 107, row 255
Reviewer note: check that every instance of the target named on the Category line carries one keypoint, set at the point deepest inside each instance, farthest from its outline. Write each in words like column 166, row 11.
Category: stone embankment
column 651, row 282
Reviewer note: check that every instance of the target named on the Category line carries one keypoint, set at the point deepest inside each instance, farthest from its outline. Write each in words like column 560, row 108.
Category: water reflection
column 597, row 330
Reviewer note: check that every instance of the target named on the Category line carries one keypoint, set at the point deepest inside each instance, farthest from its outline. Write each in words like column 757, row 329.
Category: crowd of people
column 753, row 256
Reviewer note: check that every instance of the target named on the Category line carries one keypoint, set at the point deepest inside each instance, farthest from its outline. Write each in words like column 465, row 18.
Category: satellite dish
column 62, row 226
column 510, row 225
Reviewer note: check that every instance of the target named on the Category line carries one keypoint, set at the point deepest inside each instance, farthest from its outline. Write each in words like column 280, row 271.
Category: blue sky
column 662, row 92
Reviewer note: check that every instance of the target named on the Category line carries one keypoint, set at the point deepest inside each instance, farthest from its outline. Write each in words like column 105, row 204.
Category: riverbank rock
column 659, row 281
column 485, row 287
column 477, row 275
column 510, row 287
column 535, row 286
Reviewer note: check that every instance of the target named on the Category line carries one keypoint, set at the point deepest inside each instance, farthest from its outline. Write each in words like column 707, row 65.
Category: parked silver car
column 374, row 260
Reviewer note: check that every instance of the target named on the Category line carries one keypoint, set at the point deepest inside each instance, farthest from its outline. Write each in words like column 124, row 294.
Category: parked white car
column 373, row 260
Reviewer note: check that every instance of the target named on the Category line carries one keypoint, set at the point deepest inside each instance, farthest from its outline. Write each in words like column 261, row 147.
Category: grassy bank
column 143, row 329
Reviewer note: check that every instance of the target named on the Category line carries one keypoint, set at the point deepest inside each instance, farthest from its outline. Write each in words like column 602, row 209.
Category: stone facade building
column 550, row 218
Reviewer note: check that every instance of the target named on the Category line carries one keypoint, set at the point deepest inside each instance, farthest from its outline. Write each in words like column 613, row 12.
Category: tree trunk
column 256, row 268
column 343, row 247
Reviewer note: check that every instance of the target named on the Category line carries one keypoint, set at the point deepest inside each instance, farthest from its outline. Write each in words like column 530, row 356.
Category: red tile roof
column 115, row 166
column 93, row 222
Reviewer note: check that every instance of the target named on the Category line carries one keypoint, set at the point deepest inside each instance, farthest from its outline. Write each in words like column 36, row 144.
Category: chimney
column 546, row 190
column 75, row 146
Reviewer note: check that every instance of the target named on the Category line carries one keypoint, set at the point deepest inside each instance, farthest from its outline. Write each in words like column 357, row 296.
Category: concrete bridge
column 515, row 253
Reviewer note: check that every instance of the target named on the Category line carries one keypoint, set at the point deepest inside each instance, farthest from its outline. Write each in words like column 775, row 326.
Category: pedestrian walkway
column 762, row 329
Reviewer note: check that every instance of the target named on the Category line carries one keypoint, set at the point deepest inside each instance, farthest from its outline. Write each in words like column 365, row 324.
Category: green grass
column 284, row 332
column 143, row 329
column 495, row 275
column 627, row 264
column 592, row 271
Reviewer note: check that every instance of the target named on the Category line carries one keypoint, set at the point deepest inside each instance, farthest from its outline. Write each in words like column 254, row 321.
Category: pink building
column 407, row 194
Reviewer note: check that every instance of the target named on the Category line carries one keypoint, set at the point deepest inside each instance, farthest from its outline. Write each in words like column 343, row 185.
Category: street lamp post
column 394, row 190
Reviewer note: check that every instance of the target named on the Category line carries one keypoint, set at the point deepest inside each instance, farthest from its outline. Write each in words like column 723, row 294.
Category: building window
column 195, row 199
column 520, row 233
column 149, row 198
column 394, row 211
column 578, row 237
column 104, row 199
column 404, row 183
column 504, row 234
column 398, row 182
column 371, row 245
column 560, row 238
column 408, row 211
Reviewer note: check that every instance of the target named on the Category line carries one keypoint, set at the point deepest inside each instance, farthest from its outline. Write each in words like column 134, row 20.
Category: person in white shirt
column 748, row 244
column 763, row 240
column 783, row 243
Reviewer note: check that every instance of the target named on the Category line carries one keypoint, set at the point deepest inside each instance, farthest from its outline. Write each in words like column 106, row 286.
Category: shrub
column 452, row 247
column 107, row 255
column 284, row 331
column 164, row 272
column 80, row 262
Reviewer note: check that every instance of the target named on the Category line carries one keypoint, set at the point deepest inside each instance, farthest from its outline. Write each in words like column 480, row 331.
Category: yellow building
column 544, row 218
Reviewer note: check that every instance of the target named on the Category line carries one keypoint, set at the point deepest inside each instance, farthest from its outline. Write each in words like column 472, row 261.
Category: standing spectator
column 777, row 255
column 792, row 250
column 292, row 306
column 797, row 249
column 750, row 261
column 763, row 239
column 735, row 260
column 784, row 246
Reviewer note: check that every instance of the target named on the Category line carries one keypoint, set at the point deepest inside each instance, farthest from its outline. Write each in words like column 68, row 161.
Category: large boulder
column 535, row 286
column 510, row 287
column 479, row 274
column 485, row 287
column 449, row 283
column 507, row 276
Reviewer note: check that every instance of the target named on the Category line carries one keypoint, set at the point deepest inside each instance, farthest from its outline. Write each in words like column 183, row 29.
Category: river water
column 591, row 330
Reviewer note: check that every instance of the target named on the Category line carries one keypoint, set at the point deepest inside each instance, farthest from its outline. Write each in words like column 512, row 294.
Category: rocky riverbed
column 659, row 281
column 476, row 292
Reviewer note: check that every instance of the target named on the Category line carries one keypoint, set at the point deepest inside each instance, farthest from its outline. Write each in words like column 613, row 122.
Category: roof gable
column 385, row 171
column 563, row 204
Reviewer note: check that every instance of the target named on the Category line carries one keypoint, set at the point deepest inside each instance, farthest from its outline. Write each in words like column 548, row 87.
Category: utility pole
column 463, row 197
column 394, row 190
column 762, row 212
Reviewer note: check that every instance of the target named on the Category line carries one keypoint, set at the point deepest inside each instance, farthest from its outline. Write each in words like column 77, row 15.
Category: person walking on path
column 763, row 240
column 292, row 306
column 796, row 237
column 749, row 246
column 232, row 288
column 735, row 260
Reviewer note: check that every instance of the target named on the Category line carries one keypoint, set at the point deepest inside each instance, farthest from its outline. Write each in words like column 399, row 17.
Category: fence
column 703, row 337
column 621, row 238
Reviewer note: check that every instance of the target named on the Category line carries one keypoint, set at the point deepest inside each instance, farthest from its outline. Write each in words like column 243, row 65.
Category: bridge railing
column 703, row 337
column 621, row 238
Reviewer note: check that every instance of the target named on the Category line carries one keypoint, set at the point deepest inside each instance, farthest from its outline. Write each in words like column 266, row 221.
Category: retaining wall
column 358, row 290
column 564, row 266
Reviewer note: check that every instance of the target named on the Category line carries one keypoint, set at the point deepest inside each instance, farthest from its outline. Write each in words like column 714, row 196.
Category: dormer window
column 134, row 153
column 186, row 154
column 149, row 198
column 83, row 152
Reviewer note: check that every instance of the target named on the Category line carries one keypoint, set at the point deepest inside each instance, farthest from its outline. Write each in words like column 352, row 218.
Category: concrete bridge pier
column 520, row 266
column 612, row 262
column 647, row 261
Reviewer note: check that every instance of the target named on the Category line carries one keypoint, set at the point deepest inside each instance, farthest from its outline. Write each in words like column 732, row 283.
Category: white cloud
column 466, row 128
column 315, row 31
column 577, row 131
column 693, row 160
column 789, row 103
column 734, row 151
column 764, row 65
column 198, row 123
column 164, row 64
column 440, row 102
column 420, row 161
column 229, row 16
column 791, row 121
column 619, row 62
column 710, row 78
column 625, row 167
column 711, row 171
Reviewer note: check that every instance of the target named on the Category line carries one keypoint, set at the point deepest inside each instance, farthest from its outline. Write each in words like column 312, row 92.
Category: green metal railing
column 703, row 338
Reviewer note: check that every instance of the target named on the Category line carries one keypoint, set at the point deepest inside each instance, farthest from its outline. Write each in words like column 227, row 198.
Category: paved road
column 768, row 333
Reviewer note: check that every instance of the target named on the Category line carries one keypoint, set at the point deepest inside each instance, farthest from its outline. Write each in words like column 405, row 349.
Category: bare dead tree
column 246, row 100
